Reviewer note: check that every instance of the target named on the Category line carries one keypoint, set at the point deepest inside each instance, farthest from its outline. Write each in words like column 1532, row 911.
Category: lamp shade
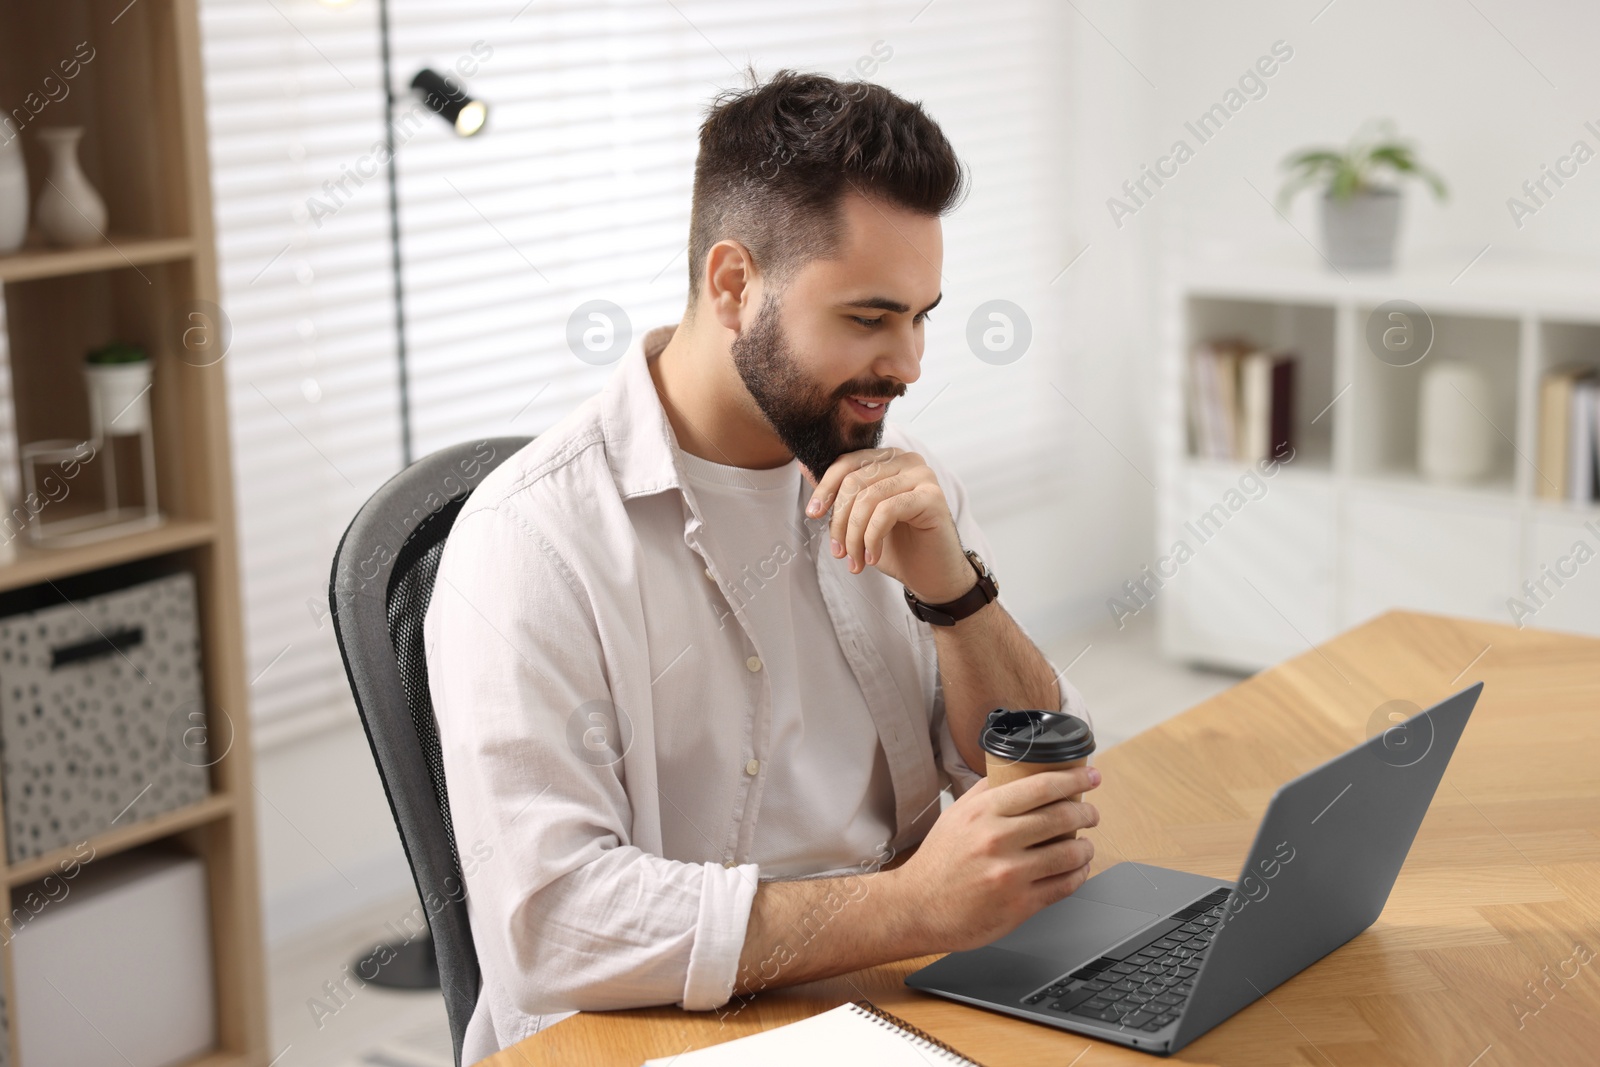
column 445, row 97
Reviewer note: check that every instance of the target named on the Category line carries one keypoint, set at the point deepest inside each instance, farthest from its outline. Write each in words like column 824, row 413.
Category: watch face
column 983, row 568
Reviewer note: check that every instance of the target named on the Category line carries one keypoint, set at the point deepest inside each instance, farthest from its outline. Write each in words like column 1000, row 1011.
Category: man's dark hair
column 776, row 159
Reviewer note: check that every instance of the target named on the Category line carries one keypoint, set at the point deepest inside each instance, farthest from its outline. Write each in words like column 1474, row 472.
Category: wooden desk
column 1502, row 882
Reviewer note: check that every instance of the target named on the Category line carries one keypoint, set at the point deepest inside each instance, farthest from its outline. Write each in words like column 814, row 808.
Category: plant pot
column 70, row 212
column 119, row 402
column 1359, row 233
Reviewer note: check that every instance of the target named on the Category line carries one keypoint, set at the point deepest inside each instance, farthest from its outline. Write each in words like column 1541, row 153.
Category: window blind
column 577, row 190
column 293, row 97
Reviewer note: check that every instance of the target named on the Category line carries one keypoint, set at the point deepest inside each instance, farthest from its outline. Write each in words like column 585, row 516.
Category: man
column 686, row 704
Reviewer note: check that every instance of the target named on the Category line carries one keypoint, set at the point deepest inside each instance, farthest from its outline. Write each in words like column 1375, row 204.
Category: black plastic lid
column 1036, row 736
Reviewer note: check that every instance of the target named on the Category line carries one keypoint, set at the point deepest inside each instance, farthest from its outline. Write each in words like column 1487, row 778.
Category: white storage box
column 125, row 943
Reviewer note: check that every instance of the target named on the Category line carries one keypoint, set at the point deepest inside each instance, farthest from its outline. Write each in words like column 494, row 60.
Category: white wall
column 1470, row 82
column 1057, row 554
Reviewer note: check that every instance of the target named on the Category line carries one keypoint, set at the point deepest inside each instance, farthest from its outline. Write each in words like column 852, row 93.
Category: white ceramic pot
column 70, row 213
column 13, row 190
column 1455, row 440
column 119, row 401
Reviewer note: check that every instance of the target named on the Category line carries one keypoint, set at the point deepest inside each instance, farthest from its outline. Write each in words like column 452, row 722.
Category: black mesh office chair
column 383, row 575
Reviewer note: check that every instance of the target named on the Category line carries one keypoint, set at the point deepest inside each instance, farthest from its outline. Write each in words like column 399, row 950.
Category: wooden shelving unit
column 140, row 103
column 214, row 807
column 120, row 250
column 35, row 565
column 1350, row 528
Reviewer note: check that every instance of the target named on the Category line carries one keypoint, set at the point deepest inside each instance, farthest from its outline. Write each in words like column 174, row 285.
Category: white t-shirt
column 819, row 716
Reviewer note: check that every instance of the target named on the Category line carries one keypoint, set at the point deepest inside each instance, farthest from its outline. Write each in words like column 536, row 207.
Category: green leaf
column 1350, row 171
column 1314, row 157
column 1307, row 167
column 1436, row 183
column 116, row 352
column 1345, row 183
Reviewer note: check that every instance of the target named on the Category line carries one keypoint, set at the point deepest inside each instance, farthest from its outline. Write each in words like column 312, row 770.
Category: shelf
column 1308, row 468
column 1384, row 416
column 1498, row 491
column 1501, row 282
column 120, row 251
column 1366, row 531
column 212, row 808
column 1397, row 480
column 1305, row 329
column 1577, row 511
column 217, row 1059
column 34, row 565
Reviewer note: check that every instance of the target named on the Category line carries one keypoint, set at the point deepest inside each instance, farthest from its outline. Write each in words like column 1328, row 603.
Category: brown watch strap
column 948, row 614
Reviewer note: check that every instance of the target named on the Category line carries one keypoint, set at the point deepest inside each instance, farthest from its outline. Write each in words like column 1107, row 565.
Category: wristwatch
column 949, row 614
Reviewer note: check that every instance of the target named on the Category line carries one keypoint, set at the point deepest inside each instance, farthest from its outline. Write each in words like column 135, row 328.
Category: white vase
column 119, row 402
column 70, row 213
column 13, row 190
column 1455, row 440
column 8, row 534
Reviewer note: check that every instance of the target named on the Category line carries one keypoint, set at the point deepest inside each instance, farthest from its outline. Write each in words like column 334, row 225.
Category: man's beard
column 806, row 418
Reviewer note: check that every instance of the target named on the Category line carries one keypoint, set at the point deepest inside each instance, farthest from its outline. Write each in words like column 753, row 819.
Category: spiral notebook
column 856, row 1033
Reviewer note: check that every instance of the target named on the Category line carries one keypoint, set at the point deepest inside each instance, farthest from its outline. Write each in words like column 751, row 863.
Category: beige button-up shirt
column 603, row 717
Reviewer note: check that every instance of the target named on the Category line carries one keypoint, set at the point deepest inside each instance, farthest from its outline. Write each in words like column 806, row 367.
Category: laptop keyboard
column 1144, row 984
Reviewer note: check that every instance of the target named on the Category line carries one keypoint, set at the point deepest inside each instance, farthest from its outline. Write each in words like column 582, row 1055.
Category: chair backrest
column 383, row 575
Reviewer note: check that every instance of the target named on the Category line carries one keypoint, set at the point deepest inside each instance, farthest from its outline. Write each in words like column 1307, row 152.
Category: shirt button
column 708, row 574
column 753, row 663
column 728, row 863
column 752, row 767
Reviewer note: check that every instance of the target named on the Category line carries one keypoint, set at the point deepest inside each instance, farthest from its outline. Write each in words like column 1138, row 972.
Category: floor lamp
column 412, row 964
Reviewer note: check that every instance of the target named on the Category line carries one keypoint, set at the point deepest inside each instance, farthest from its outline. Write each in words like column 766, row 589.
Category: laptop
column 1151, row 958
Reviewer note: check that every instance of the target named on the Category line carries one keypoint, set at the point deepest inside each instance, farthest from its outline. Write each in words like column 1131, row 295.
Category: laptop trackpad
column 1074, row 930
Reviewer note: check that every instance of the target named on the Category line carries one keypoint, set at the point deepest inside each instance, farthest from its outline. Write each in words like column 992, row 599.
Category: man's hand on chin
column 890, row 512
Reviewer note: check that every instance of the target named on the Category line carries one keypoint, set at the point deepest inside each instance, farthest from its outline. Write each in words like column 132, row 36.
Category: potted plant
column 1361, row 197
column 118, row 375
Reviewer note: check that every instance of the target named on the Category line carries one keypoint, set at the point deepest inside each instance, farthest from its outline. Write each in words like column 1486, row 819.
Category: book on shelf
column 1569, row 434
column 1241, row 400
column 1584, row 481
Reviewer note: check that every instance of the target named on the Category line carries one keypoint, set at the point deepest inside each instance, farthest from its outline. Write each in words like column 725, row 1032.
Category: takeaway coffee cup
column 1020, row 743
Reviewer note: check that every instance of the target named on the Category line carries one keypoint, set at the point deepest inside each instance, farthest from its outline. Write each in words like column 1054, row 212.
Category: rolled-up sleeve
column 566, row 912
